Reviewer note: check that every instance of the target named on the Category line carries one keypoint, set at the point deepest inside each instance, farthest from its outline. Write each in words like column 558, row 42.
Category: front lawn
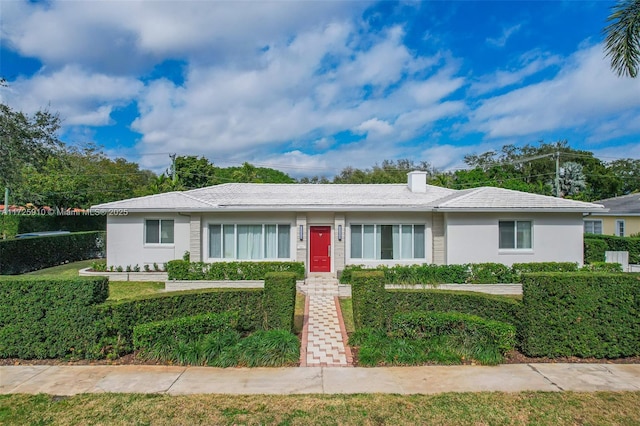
column 119, row 290
column 482, row 408
column 66, row 270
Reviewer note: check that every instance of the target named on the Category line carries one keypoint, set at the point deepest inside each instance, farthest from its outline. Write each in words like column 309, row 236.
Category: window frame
column 592, row 222
column 159, row 243
column 515, row 247
column 376, row 230
column 263, row 225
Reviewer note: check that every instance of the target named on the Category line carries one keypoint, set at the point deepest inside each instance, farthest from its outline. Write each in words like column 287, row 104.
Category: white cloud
column 81, row 98
column 584, row 92
column 506, row 34
column 374, row 125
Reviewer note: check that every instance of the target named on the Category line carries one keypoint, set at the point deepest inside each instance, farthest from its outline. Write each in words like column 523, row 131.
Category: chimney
column 417, row 181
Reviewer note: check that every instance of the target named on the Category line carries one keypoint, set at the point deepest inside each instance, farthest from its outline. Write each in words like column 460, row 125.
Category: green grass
column 346, row 306
column 482, row 408
column 119, row 290
column 67, row 270
column 298, row 319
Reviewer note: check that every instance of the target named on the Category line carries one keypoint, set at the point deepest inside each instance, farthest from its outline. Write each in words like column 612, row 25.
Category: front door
column 320, row 248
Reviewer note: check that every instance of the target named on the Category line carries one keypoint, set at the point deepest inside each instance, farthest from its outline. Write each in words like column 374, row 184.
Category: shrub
column 483, row 334
column 44, row 317
column 30, row 254
column 11, row 225
column 122, row 316
column 279, row 300
column 581, row 314
column 489, row 273
column 594, row 250
column 613, row 243
column 370, row 301
column 602, row 267
column 184, row 270
column 182, row 328
column 522, row 268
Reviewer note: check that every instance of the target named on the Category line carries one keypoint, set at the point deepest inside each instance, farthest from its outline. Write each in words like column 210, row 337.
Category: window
column 515, row 234
column 387, row 242
column 593, row 227
column 249, row 241
column 158, row 231
column 620, row 228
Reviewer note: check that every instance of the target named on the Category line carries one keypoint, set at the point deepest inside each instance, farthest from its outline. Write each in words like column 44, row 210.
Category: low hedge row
column 474, row 273
column 182, row 329
column 43, row 317
column 594, row 250
column 613, row 243
column 481, row 331
column 581, row 314
column 184, row 270
column 374, row 307
column 279, row 300
column 18, row 256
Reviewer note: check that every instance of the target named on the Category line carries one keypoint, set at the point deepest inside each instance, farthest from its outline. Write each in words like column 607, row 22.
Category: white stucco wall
column 389, row 218
column 473, row 238
column 126, row 245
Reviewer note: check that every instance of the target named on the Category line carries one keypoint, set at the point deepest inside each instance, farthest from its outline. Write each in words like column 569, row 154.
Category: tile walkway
column 324, row 336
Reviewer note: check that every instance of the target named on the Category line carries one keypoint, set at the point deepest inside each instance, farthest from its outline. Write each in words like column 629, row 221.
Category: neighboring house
column 621, row 219
column 330, row 226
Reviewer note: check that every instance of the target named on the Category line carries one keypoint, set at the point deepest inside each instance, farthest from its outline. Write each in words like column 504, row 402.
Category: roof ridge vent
column 417, row 181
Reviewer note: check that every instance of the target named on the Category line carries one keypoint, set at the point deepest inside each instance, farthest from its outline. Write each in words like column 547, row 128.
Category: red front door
column 320, row 248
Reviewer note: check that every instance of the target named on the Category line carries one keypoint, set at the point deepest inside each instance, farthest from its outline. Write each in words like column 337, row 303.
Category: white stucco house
column 330, row 226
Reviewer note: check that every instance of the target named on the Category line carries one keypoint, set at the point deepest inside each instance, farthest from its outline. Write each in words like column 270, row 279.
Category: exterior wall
column 631, row 224
column 126, row 246
column 473, row 238
column 439, row 239
column 195, row 238
column 381, row 218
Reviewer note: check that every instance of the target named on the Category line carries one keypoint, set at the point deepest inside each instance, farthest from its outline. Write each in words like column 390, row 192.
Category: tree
column 25, row 140
column 571, row 180
column 622, row 43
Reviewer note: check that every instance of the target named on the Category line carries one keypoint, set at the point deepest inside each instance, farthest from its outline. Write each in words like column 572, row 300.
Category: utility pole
column 558, row 174
column 6, row 200
column 174, row 175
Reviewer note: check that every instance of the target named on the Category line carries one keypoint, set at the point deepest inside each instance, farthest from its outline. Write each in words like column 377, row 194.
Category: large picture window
column 515, row 234
column 387, row 242
column 158, row 231
column 247, row 242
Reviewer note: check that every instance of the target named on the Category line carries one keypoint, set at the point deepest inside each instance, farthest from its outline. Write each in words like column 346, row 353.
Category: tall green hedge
column 183, row 270
column 594, row 250
column 44, row 317
column 13, row 224
column 581, row 314
column 279, row 300
column 374, row 307
column 613, row 243
column 18, row 256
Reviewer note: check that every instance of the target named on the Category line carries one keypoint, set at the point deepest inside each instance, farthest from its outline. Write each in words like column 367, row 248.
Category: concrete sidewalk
column 71, row 380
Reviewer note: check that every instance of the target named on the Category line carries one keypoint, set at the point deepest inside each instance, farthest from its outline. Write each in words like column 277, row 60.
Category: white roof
column 334, row 197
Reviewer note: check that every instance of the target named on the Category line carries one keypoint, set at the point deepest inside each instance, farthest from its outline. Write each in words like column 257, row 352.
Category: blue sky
column 311, row 87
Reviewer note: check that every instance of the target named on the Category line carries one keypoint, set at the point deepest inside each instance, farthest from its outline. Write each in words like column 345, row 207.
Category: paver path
column 324, row 337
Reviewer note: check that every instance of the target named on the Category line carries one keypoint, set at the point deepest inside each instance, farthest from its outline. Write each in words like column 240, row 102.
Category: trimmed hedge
column 13, row 224
column 279, row 300
column 480, row 331
column 183, row 270
column 602, row 267
column 43, row 317
column 373, row 306
column 581, row 314
column 613, row 243
column 594, row 250
column 474, row 273
column 182, row 329
column 119, row 318
column 22, row 255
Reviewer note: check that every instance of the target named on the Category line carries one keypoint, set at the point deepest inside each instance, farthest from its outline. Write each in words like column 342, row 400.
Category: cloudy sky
column 311, row 87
